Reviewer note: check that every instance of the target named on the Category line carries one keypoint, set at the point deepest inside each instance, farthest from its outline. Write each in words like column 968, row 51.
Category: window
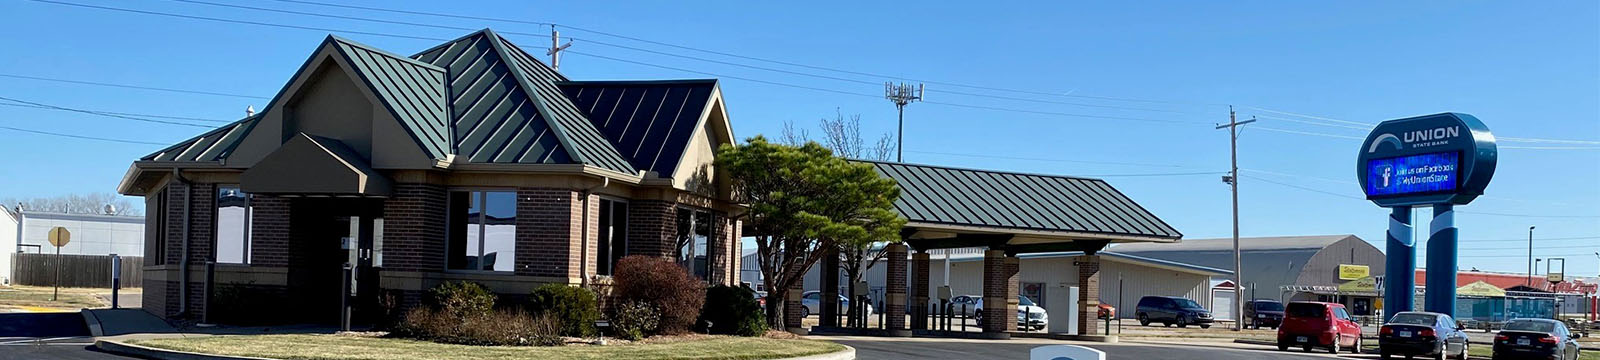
column 233, row 225
column 613, row 234
column 483, row 228
column 156, row 228
column 694, row 229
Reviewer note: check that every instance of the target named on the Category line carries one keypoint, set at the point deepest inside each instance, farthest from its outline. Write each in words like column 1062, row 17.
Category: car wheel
column 1463, row 354
column 1357, row 349
column 1440, row 355
column 1383, row 355
column 805, row 312
column 1144, row 320
column 1183, row 323
column 1205, row 326
column 1306, row 348
column 1334, row 348
column 1283, row 347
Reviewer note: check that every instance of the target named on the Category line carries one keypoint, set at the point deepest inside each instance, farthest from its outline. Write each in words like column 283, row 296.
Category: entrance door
column 360, row 245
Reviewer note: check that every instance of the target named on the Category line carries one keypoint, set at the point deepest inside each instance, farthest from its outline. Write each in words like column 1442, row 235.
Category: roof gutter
column 1064, row 235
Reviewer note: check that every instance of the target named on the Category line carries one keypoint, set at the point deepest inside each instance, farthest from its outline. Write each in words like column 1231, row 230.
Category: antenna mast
column 901, row 94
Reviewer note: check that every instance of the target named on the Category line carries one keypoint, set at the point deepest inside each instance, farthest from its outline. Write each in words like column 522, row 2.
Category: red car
column 1318, row 325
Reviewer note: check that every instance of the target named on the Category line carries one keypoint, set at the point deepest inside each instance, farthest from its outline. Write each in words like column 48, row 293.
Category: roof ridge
column 383, row 52
column 886, row 162
column 525, row 85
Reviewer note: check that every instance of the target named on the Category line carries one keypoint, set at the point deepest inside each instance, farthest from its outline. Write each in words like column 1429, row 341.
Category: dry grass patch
column 336, row 347
column 39, row 296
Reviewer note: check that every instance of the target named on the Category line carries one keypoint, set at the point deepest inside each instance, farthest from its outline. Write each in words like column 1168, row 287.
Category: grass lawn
column 21, row 296
column 344, row 347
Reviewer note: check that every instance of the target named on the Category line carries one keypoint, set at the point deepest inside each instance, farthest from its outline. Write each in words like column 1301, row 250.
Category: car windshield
column 1269, row 306
column 1024, row 301
column 1538, row 326
column 1187, row 304
column 1414, row 319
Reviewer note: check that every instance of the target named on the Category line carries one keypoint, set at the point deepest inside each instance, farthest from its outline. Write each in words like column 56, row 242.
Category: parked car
column 1535, row 339
column 1318, row 325
column 1029, row 314
column 1106, row 312
column 1416, row 333
column 1258, row 313
column 811, row 303
column 1172, row 310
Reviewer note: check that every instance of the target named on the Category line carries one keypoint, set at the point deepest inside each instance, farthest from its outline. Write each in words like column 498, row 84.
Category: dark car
column 1172, row 310
column 1416, row 333
column 1535, row 339
column 1317, row 324
column 1258, row 313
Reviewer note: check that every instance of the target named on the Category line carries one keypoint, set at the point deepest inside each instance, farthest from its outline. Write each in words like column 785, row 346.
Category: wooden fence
column 76, row 270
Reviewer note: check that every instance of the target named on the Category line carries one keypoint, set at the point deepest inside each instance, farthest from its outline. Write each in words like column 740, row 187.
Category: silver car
column 1029, row 314
column 811, row 303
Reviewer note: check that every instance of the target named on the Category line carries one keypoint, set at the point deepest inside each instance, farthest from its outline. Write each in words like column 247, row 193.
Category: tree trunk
column 775, row 308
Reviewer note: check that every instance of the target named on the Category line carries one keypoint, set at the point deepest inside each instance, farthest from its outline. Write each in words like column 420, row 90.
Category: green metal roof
column 651, row 122
column 482, row 98
column 413, row 91
column 967, row 197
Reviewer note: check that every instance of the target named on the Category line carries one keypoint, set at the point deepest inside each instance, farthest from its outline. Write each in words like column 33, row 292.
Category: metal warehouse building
column 1287, row 268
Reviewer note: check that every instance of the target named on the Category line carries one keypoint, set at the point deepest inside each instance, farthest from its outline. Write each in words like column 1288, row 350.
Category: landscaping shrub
column 634, row 320
column 664, row 285
column 732, row 310
column 504, row 327
column 574, row 307
column 461, row 299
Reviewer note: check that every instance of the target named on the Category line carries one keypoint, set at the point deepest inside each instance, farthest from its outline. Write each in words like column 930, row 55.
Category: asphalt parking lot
column 926, row 348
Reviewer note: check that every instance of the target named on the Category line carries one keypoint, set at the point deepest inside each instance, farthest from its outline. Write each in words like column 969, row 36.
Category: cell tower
column 901, row 94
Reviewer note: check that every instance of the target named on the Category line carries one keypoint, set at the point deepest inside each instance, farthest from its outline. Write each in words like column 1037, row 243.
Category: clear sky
column 1530, row 71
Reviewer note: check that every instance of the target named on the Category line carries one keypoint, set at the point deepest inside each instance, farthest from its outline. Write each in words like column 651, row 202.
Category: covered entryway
column 1007, row 214
column 335, row 204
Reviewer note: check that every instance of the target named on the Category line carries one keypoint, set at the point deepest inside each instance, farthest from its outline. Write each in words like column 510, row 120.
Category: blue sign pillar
column 1442, row 262
column 1400, row 263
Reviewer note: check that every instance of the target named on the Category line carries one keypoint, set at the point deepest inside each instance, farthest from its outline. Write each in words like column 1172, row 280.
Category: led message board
column 1443, row 158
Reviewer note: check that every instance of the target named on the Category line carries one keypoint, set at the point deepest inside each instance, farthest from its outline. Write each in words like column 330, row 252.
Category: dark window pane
column 459, row 225
column 604, row 239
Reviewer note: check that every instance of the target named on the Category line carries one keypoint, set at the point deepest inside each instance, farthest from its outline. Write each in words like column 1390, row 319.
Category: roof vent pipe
column 249, row 110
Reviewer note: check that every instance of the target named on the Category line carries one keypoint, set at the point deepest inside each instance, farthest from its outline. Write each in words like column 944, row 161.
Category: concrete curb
column 93, row 322
column 849, row 353
column 118, row 347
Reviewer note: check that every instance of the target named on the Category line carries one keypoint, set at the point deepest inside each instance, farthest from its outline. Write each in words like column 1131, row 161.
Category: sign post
column 59, row 236
column 1438, row 160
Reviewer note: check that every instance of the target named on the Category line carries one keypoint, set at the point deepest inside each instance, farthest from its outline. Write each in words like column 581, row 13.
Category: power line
column 746, row 57
column 196, row 17
column 81, row 136
column 92, row 112
column 129, row 114
column 96, row 83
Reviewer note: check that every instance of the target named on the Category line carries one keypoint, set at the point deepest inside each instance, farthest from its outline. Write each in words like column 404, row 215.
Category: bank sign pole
column 1439, row 160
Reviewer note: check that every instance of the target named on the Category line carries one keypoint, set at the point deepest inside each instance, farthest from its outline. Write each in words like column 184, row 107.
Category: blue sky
column 1529, row 71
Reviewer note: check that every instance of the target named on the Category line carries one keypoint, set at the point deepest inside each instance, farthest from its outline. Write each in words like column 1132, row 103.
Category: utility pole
column 555, row 48
column 1530, row 256
column 901, row 94
column 1233, row 181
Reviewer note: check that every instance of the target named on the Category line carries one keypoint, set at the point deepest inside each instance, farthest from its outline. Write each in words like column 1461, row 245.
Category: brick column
column 999, row 292
column 919, row 290
column 791, row 303
column 269, row 231
column 894, row 302
column 413, row 228
column 828, row 274
column 652, row 228
column 1089, row 295
column 548, row 236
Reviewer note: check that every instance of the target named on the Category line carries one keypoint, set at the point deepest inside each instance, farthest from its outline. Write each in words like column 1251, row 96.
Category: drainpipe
column 583, row 260
column 183, row 261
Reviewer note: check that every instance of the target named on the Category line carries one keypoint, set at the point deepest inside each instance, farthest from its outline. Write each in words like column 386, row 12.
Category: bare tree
column 842, row 135
column 90, row 203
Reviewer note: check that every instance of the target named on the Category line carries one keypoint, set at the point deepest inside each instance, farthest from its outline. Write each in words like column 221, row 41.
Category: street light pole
column 1530, row 256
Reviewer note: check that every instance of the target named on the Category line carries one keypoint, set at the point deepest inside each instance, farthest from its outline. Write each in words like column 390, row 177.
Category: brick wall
column 652, row 227
column 201, row 199
column 547, row 232
column 791, row 304
column 269, row 231
column 723, row 246
column 414, row 228
column 920, row 267
column 1088, row 294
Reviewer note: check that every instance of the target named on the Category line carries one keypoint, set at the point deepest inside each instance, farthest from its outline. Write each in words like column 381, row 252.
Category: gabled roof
column 485, row 100
column 413, row 91
column 651, row 122
column 967, row 197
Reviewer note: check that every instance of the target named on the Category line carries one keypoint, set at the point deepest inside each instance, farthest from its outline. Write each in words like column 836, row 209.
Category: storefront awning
column 314, row 166
column 1480, row 288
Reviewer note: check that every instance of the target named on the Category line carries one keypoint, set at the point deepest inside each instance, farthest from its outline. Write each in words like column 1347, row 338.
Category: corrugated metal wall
column 1140, row 281
column 1323, row 268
